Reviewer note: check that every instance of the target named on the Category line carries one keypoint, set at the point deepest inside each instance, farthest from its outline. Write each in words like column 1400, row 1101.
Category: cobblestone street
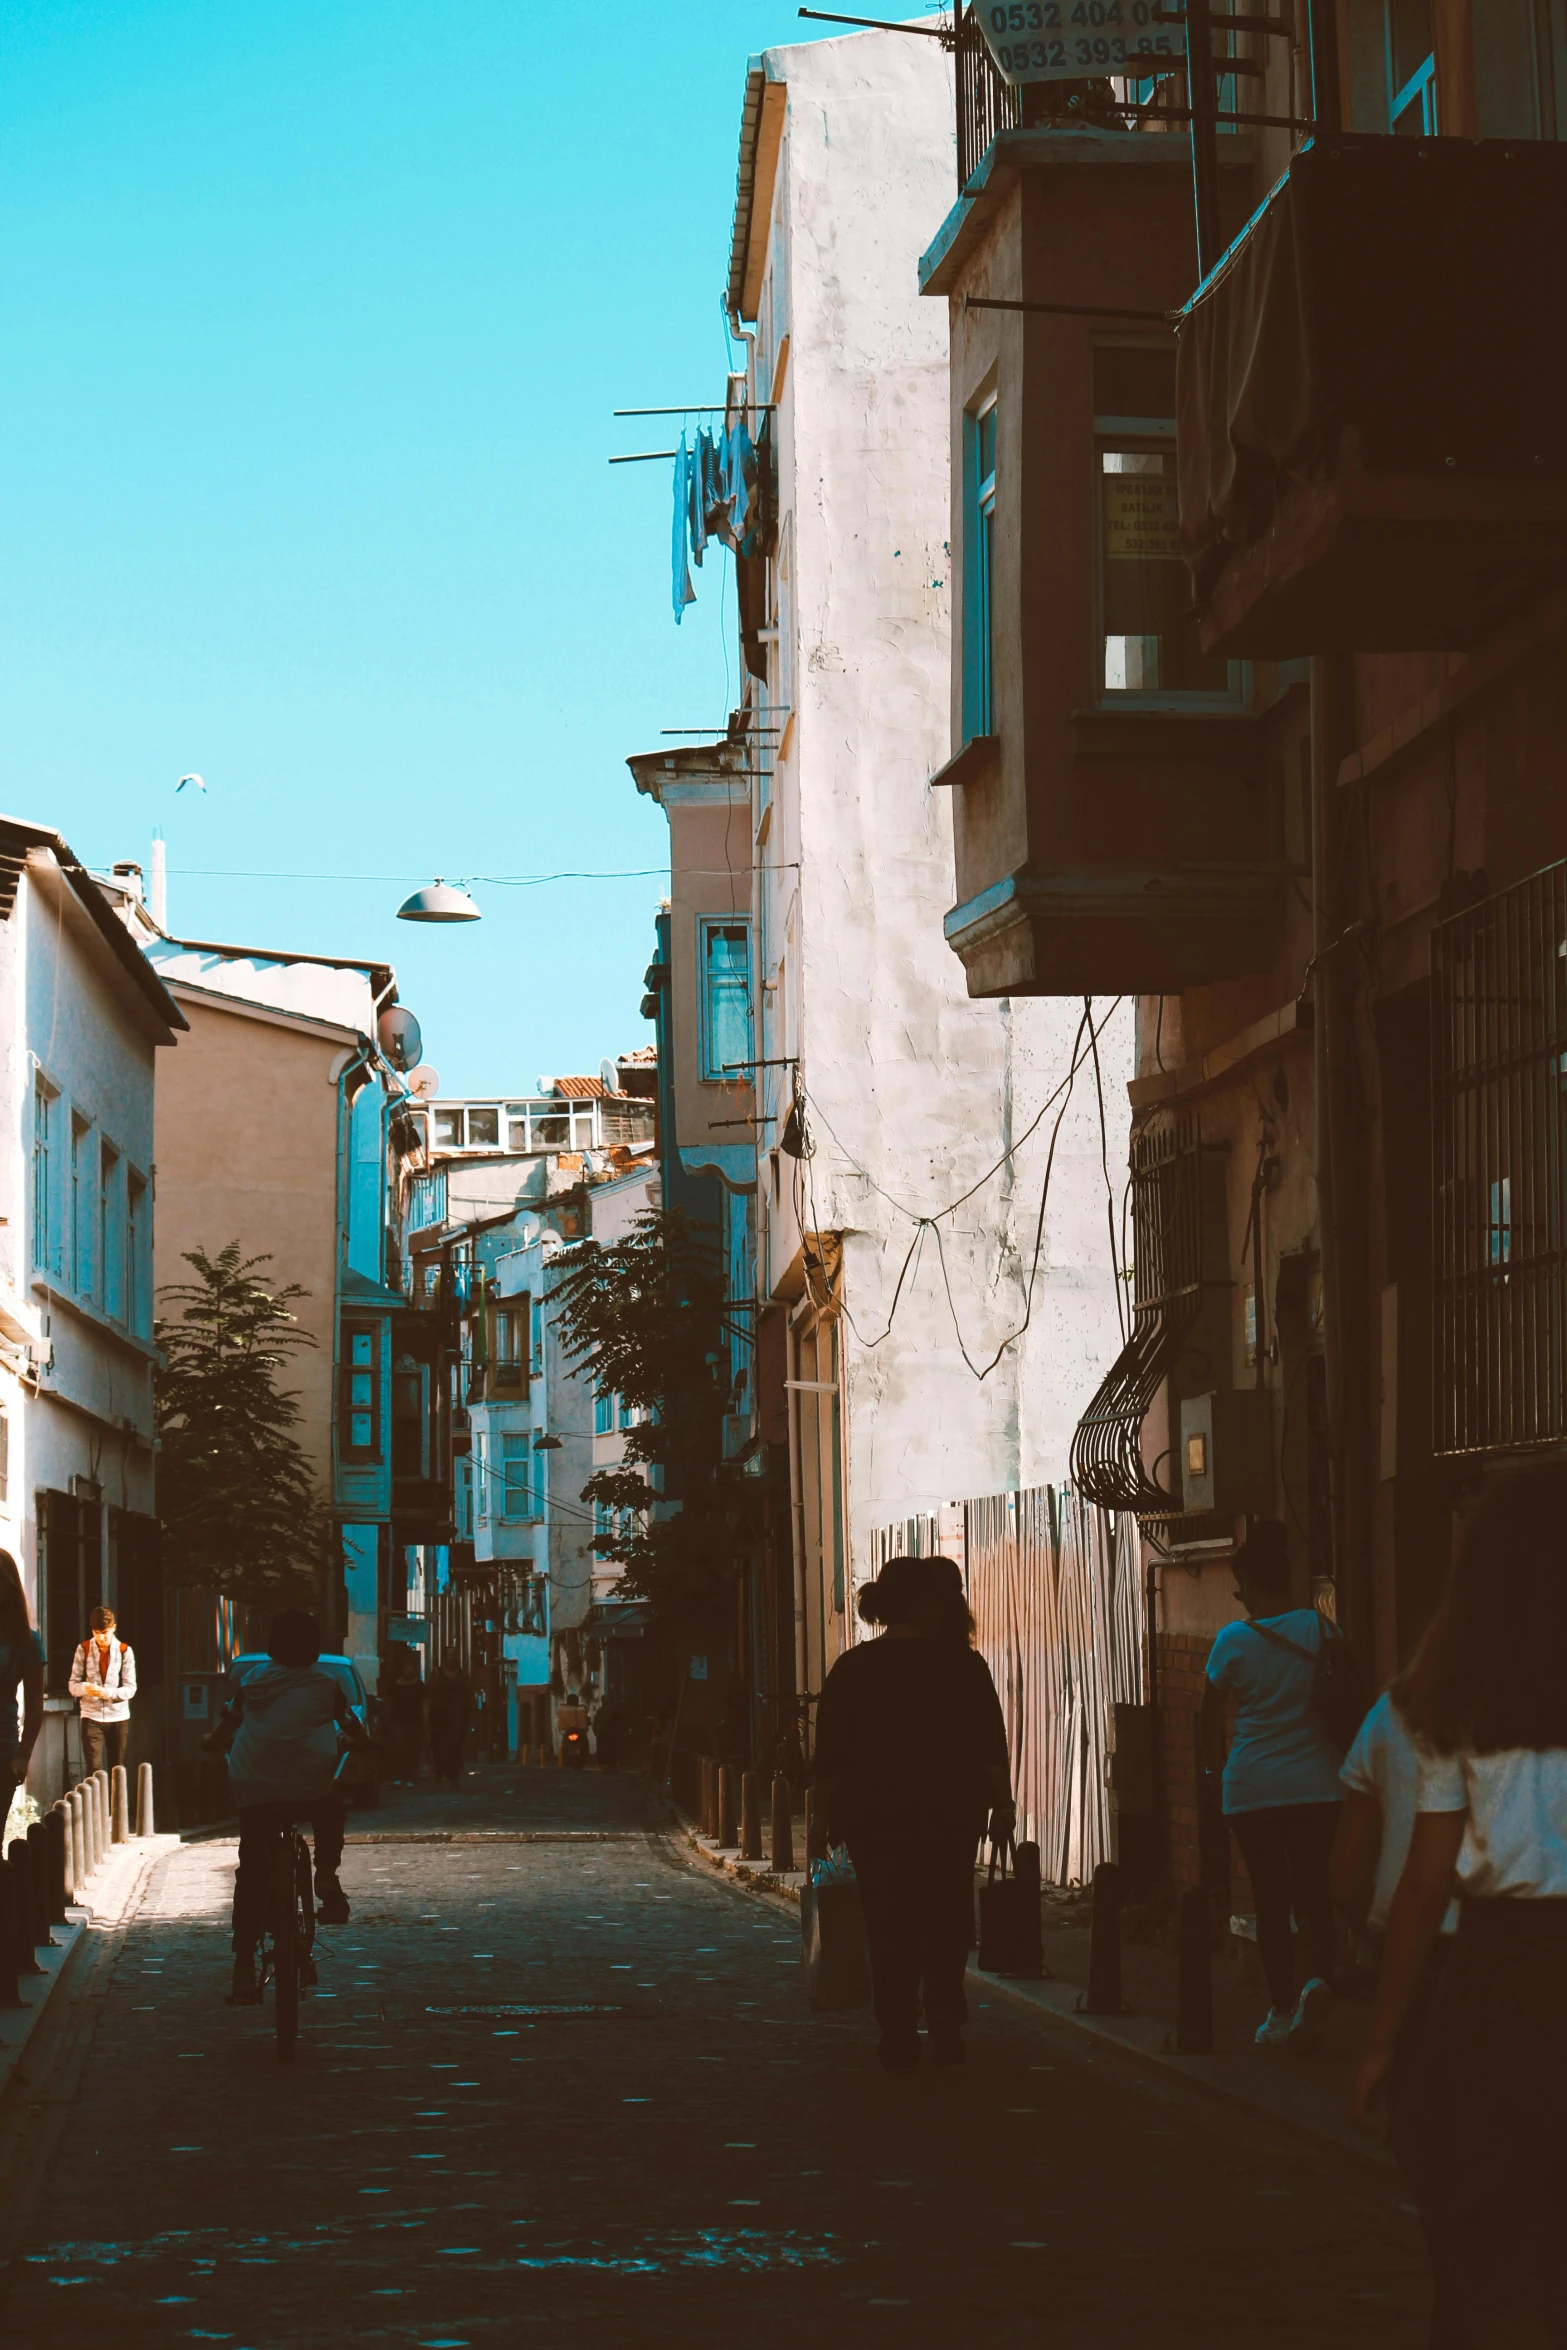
column 671, row 2147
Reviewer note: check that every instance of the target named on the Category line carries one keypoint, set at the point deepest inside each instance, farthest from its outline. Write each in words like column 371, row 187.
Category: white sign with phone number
column 1075, row 40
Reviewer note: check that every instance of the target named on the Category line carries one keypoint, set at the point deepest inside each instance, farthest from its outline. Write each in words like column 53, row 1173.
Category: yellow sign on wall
column 1142, row 518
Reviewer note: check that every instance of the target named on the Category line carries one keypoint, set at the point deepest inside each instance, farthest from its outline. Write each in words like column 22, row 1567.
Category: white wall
column 916, row 1091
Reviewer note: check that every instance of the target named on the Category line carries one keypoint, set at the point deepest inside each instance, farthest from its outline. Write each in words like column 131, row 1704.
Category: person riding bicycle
column 285, row 1723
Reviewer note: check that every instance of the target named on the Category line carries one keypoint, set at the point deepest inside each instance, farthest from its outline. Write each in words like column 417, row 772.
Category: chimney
column 158, row 893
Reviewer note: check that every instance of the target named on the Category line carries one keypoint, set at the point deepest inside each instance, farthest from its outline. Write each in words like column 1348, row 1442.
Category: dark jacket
column 909, row 1728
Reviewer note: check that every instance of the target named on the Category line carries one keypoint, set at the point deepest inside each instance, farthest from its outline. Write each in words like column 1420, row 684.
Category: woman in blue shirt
column 1281, row 1782
column 21, row 1674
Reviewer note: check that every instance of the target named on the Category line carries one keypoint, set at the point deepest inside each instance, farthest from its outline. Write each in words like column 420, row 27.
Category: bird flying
column 198, row 780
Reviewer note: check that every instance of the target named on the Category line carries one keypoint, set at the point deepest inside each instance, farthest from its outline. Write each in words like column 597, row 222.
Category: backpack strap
column 1284, row 1641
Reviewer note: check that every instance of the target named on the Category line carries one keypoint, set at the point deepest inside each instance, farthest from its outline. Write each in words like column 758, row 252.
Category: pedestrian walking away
column 910, row 1763
column 103, row 1682
column 1486, row 1698
column 21, row 1682
column 405, row 1712
column 1381, row 1782
column 285, row 1724
column 1280, row 1780
column 451, row 1703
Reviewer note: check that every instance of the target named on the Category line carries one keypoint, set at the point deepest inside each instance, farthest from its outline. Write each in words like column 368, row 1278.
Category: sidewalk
column 1303, row 2094
column 115, row 1889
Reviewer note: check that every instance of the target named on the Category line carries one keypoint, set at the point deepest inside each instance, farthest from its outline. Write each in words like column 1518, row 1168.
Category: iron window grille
column 1499, row 1067
column 1167, row 1227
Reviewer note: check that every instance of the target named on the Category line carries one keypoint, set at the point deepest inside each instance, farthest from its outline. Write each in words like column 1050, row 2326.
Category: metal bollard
column 750, row 1816
column 76, row 1873
column 1104, row 1945
column 15, row 1867
column 57, row 1830
column 10, row 1996
column 783, row 1826
column 144, row 1813
column 728, row 1806
column 1194, row 1994
column 708, row 1822
column 38, row 1883
column 119, row 1806
column 815, row 1828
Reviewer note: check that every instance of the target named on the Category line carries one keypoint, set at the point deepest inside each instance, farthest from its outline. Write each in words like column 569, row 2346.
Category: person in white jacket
column 103, row 1682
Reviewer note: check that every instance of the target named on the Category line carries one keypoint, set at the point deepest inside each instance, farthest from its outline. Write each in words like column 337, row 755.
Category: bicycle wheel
column 285, row 1948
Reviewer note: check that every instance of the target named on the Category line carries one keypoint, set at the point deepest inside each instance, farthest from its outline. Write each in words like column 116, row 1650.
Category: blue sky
column 313, row 315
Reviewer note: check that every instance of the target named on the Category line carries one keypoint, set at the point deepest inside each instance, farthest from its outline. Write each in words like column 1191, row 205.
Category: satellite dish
column 397, row 1034
column 439, row 902
column 425, row 1082
column 609, row 1075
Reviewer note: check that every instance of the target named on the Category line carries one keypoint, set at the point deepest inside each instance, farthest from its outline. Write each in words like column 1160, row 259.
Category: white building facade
column 82, row 1017
column 934, row 1215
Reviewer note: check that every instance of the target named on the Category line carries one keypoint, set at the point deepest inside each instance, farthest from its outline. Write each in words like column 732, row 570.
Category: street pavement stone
column 672, row 2147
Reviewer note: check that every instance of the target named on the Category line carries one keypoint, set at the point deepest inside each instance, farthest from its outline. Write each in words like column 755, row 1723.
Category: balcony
column 1114, row 827
column 540, row 1124
column 1366, row 452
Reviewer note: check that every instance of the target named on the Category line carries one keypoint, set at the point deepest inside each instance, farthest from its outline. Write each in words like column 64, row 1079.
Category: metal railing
column 1167, row 1230
column 1499, row 1070
column 986, row 102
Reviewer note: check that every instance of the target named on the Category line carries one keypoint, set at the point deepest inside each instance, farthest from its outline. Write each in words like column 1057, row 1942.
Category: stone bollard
column 783, row 1826
column 38, row 1883
column 707, row 1820
column 10, row 1996
column 119, row 1806
column 144, row 1814
column 105, row 1813
column 1194, row 1993
column 57, row 1830
column 1104, row 1944
column 15, row 1867
column 815, row 1828
column 750, row 1817
column 728, row 1806
column 88, row 1794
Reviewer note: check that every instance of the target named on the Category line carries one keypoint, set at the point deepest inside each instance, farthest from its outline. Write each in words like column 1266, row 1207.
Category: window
column 725, row 951
column 979, row 464
column 538, row 1336
column 462, row 1497
column 603, row 1412
column 1148, row 642
column 138, row 1254
column 484, row 1130
column 82, row 1206
column 410, row 1392
column 361, row 1417
column 1499, row 1037
column 516, row 1477
column 448, row 1130
column 111, row 1268
column 45, row 1101
column 481, row 1477
column 628, row 1416
column 1411, row 69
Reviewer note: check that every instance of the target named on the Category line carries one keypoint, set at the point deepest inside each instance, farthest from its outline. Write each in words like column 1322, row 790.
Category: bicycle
column 287, row 1952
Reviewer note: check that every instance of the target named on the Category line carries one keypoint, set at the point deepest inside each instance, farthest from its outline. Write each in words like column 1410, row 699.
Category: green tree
column 644, row 1318
column 237, row 1503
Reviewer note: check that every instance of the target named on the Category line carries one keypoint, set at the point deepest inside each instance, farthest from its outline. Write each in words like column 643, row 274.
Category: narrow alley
column 562, row 2077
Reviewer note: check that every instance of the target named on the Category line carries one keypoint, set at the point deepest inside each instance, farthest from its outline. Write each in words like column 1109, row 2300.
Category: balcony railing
column 989, row 104
column 986, row 102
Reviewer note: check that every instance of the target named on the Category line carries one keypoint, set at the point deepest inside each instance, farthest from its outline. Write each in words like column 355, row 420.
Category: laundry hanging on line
column 723, row 491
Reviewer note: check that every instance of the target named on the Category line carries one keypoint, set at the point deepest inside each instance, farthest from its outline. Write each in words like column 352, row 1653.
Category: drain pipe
column 802, row 1672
